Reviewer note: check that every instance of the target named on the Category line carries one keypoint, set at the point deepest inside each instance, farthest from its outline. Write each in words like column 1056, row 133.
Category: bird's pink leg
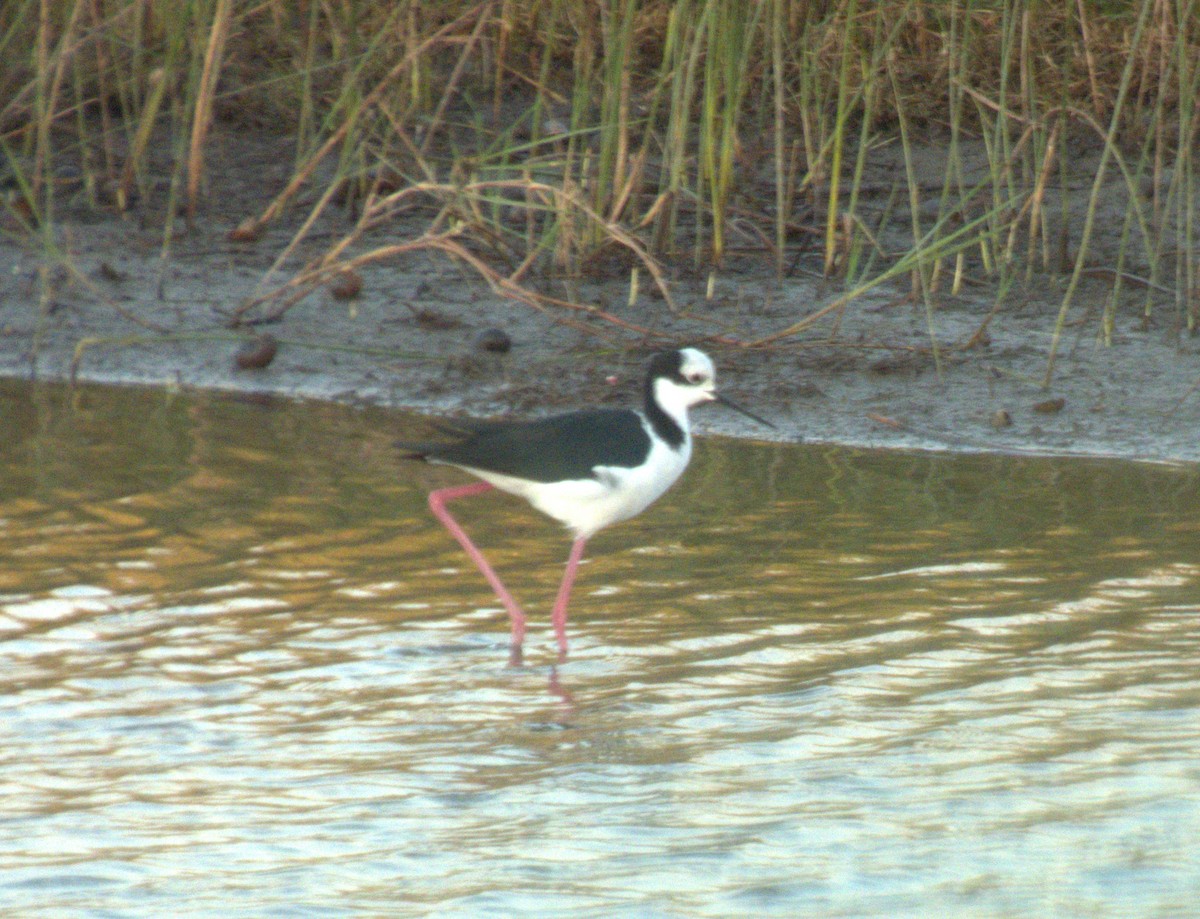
column 437, row 504
column 559, row 616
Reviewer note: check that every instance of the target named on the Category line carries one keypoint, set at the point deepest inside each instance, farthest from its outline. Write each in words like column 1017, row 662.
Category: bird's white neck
column 674, row 401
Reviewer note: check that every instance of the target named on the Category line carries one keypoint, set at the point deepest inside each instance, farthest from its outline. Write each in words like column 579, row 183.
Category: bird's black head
column 677, row 380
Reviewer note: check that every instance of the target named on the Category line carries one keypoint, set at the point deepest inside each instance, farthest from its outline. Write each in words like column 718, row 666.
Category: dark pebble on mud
column 257, row 354
column 494, row 340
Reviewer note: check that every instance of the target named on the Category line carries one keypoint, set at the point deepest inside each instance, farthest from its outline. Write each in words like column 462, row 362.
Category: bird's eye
column 695, row 378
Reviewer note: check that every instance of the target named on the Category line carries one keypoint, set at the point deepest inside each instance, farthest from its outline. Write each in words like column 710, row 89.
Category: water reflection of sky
column 244, row 670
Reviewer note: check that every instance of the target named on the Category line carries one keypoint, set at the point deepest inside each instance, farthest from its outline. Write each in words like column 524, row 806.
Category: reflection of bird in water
column 587, row 469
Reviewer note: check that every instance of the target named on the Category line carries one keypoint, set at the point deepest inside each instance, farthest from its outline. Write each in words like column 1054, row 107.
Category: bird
column 587, row 469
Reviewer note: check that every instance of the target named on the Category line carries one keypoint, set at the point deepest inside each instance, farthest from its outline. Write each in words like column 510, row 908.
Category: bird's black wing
column 546, row 450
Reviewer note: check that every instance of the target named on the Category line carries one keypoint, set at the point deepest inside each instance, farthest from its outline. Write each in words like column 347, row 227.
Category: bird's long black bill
column 745, row 411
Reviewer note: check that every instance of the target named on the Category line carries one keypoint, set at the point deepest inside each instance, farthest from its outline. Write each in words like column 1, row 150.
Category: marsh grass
column 575, row 137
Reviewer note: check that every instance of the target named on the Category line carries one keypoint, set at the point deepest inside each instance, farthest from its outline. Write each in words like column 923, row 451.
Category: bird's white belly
column 617, row 493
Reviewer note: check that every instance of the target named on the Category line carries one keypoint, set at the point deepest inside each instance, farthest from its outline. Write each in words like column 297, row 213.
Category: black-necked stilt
column 586, row 469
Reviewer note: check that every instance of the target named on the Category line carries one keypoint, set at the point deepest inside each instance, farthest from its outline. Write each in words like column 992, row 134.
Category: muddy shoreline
column 411, row 339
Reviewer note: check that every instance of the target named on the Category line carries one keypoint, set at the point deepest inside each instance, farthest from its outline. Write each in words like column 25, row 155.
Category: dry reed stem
column 803, row 67
column 331, row 261
column 304, row 172
column 202, row 115
column 448, row 93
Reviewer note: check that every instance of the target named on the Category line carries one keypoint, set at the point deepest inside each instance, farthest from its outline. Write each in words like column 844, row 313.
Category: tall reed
column 696, row 134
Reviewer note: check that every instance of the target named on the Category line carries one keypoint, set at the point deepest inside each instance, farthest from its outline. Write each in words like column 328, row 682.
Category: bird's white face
column 695, row 383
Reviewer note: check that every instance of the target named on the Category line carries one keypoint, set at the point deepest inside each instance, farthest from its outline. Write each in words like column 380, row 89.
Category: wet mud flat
column 420, row 330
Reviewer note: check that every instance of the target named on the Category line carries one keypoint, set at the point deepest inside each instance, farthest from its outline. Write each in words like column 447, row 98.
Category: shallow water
column 244, row 671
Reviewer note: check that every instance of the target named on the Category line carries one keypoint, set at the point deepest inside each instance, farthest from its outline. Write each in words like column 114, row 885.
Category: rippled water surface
column 243, row 671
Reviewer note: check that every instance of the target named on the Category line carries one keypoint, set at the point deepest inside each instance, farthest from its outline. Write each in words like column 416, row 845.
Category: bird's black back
column 547, row 450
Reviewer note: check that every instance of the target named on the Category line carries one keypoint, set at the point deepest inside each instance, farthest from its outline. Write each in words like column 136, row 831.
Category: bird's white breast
column 615, row 494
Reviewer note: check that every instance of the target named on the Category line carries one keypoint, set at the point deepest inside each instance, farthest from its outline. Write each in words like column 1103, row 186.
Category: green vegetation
column 699, row 135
